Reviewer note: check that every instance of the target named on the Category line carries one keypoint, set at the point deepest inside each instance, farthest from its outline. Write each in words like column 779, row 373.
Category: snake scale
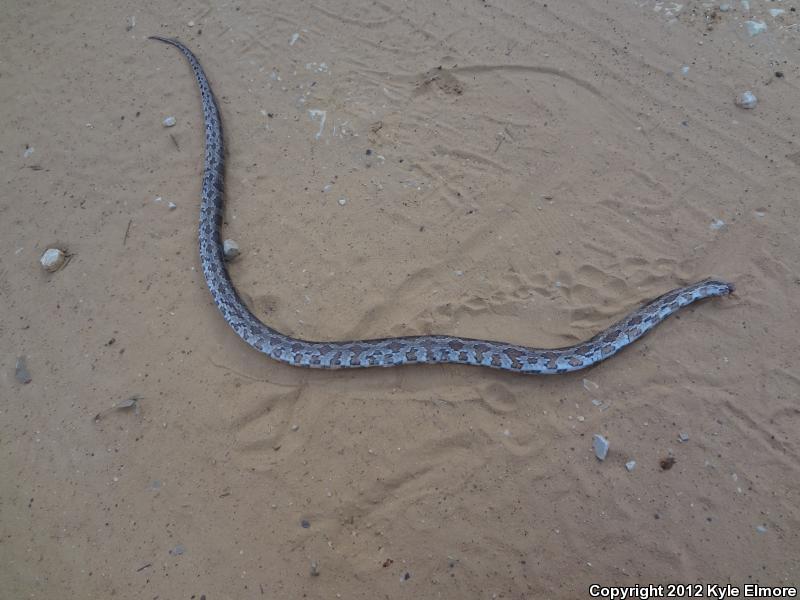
column 391, row 352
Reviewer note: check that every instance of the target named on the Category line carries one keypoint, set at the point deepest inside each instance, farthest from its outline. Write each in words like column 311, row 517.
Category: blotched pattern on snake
column 391, row 352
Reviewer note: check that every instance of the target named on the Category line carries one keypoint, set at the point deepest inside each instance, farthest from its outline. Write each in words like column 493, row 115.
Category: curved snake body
column 391, row 352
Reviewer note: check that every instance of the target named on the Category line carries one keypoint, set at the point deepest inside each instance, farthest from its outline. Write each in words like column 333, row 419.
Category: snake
column 396, row 351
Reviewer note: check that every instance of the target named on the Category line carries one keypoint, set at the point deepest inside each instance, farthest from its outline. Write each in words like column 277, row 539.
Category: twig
column 250, row 377
column 132, row 402
column 127, row 229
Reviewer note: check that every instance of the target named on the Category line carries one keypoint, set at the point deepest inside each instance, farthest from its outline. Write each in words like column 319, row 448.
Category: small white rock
column 761, row 529
column 776, row 11
column 746, row 100
column 685, row 70
column 53, row 259
column 683, row 437
column 342, row 201
column 630, row 465
column 755, row 27
column 169, row 122
column 190, row 23
column 600, row 445
column 725, row 7
column 172, row 206
column 230, row 249
column 717, row 224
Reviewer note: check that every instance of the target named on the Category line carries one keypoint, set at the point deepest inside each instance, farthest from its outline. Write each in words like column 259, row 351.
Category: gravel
column 21, row 371
column 600, row 445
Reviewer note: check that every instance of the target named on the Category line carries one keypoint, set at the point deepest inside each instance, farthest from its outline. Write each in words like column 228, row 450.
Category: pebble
column 172, row 206
column 132, row 402
column 683, row 437
column 725, row 8
column 746, row 100
column 755, row 27
column 53, row 259
column 230, row 249
column 21, row 371
column 630, row 465
column 776, row 11
column 761, row 529
column 342, row 201
column 667, row 463
column 314, row 568
column 295, row 427
column 600, row 445
column 685, row 70
column 717, row 224
column 178, row 550
column 590, row 386
column 169, row 122
column 305, row 524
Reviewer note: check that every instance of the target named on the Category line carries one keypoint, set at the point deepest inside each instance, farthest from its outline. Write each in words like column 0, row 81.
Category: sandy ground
column 517, row 171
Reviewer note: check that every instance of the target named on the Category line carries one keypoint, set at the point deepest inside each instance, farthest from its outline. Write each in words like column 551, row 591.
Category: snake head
column 714, row 287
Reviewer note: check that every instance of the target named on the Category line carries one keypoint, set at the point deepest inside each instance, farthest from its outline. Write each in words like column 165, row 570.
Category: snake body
column 392, row 352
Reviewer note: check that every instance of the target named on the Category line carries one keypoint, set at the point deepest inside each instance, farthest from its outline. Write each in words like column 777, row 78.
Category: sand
column 504, row 169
